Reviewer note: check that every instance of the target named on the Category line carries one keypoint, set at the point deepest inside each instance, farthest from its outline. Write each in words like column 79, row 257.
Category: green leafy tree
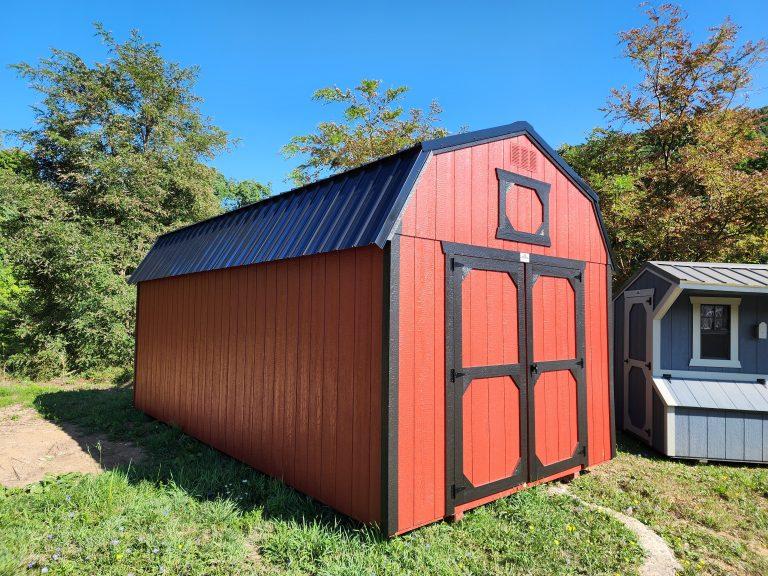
column 375, row 124
column 118, row 152
column 678, row 169
column 234, row 194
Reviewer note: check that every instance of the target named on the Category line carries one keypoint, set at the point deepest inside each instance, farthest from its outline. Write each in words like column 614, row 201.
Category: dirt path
column 31, row 447
column 659, row 558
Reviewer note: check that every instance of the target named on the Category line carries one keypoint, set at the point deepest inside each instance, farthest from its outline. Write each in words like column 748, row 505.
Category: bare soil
column 32, row 447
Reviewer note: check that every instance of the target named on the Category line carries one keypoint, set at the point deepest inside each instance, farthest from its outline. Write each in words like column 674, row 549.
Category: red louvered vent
column 522, row 157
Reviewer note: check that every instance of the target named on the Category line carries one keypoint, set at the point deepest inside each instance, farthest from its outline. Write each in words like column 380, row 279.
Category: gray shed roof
column 713, row 394
column 360, row 207
column 710, row 275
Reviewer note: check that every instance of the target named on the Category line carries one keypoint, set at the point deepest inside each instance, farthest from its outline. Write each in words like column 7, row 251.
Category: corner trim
column 611, row 356
column 136, row 343
column 669, row 439
column 389, row 389
column 658, row 315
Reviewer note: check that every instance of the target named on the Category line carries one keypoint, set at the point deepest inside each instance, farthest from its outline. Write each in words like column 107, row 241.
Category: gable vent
column 522, row 157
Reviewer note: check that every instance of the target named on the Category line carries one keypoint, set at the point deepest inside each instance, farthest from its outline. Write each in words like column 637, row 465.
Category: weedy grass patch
column 714, row 515
column 188, row 509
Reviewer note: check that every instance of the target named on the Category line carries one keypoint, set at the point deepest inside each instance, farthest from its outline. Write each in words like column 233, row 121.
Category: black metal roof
column 359, row 207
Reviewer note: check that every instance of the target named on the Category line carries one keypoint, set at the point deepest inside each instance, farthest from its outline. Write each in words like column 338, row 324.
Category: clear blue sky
column 487, row 63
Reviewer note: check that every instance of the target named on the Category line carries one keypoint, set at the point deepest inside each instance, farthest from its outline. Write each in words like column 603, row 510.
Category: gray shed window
column 716, row 331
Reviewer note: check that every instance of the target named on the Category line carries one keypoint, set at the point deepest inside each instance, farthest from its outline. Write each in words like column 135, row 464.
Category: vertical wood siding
column 677, row 337
column 276, row 364
column 721, row 435
column 456, row 200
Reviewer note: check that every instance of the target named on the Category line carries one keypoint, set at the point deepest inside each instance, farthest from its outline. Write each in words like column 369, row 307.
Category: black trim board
column 501, row 254
column 505, row 230
column 389, row 381
column 136, row 343
column 611, row 360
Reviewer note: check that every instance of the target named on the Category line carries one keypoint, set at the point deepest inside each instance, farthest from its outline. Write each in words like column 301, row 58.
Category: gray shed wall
column 721, row 435
column 677, row 340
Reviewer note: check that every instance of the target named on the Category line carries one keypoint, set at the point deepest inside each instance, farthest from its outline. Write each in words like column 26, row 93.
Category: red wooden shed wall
column 456, row 200
column 276, row 364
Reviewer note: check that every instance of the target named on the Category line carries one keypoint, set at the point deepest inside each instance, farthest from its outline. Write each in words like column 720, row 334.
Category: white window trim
column 696, row 359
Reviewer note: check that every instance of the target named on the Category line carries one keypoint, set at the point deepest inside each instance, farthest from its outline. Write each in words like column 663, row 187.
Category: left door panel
column 487, row 374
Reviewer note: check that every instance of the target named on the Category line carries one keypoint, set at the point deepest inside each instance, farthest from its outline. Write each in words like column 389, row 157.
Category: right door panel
column 557, row 394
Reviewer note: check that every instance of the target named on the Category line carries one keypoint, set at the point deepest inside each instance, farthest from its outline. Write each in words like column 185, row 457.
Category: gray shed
column 691, row 349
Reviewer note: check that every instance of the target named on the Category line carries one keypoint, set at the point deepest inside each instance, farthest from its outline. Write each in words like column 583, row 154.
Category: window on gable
column 716, row 331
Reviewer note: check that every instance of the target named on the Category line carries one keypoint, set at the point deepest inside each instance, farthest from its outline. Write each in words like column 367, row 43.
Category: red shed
column 403, row 341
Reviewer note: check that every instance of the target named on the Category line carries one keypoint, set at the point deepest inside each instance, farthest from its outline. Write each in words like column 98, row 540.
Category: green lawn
column 190, row 510
column 715, row 516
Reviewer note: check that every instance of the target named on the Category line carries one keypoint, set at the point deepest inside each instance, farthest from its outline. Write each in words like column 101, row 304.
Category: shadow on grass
column 174, row 457
column 631, row 445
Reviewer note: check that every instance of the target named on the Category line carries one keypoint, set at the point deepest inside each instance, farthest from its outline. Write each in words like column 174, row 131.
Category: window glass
column 716, row 331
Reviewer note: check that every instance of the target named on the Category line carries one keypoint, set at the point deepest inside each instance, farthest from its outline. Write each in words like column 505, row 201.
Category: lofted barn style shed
column 693, row 337
column 403, row 341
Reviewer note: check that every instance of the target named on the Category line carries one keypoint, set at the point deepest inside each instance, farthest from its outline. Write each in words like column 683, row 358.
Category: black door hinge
column 534, row 368
column 455, row 491
column 583, row 450
column 455, row 374
column 578, row 277
column 580, row 363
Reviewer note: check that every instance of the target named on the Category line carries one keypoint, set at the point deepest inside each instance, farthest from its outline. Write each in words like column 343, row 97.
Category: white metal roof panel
column 715, row 274
column 713, row 394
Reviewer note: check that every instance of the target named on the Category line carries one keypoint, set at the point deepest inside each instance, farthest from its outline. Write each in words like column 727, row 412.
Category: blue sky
column 487, row 63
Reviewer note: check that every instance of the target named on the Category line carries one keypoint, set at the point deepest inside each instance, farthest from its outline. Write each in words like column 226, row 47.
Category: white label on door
column 525, row 257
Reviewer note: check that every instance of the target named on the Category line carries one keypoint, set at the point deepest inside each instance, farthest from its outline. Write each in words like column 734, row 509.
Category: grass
column 189, row 509
column 715, row 516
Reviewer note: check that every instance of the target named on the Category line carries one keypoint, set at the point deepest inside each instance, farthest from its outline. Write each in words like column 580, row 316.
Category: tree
column 678, row 168
column 374, row 125
column 234, row 194
column 118, row 151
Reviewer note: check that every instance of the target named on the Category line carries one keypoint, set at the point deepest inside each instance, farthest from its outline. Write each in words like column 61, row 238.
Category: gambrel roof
column 359, row 207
